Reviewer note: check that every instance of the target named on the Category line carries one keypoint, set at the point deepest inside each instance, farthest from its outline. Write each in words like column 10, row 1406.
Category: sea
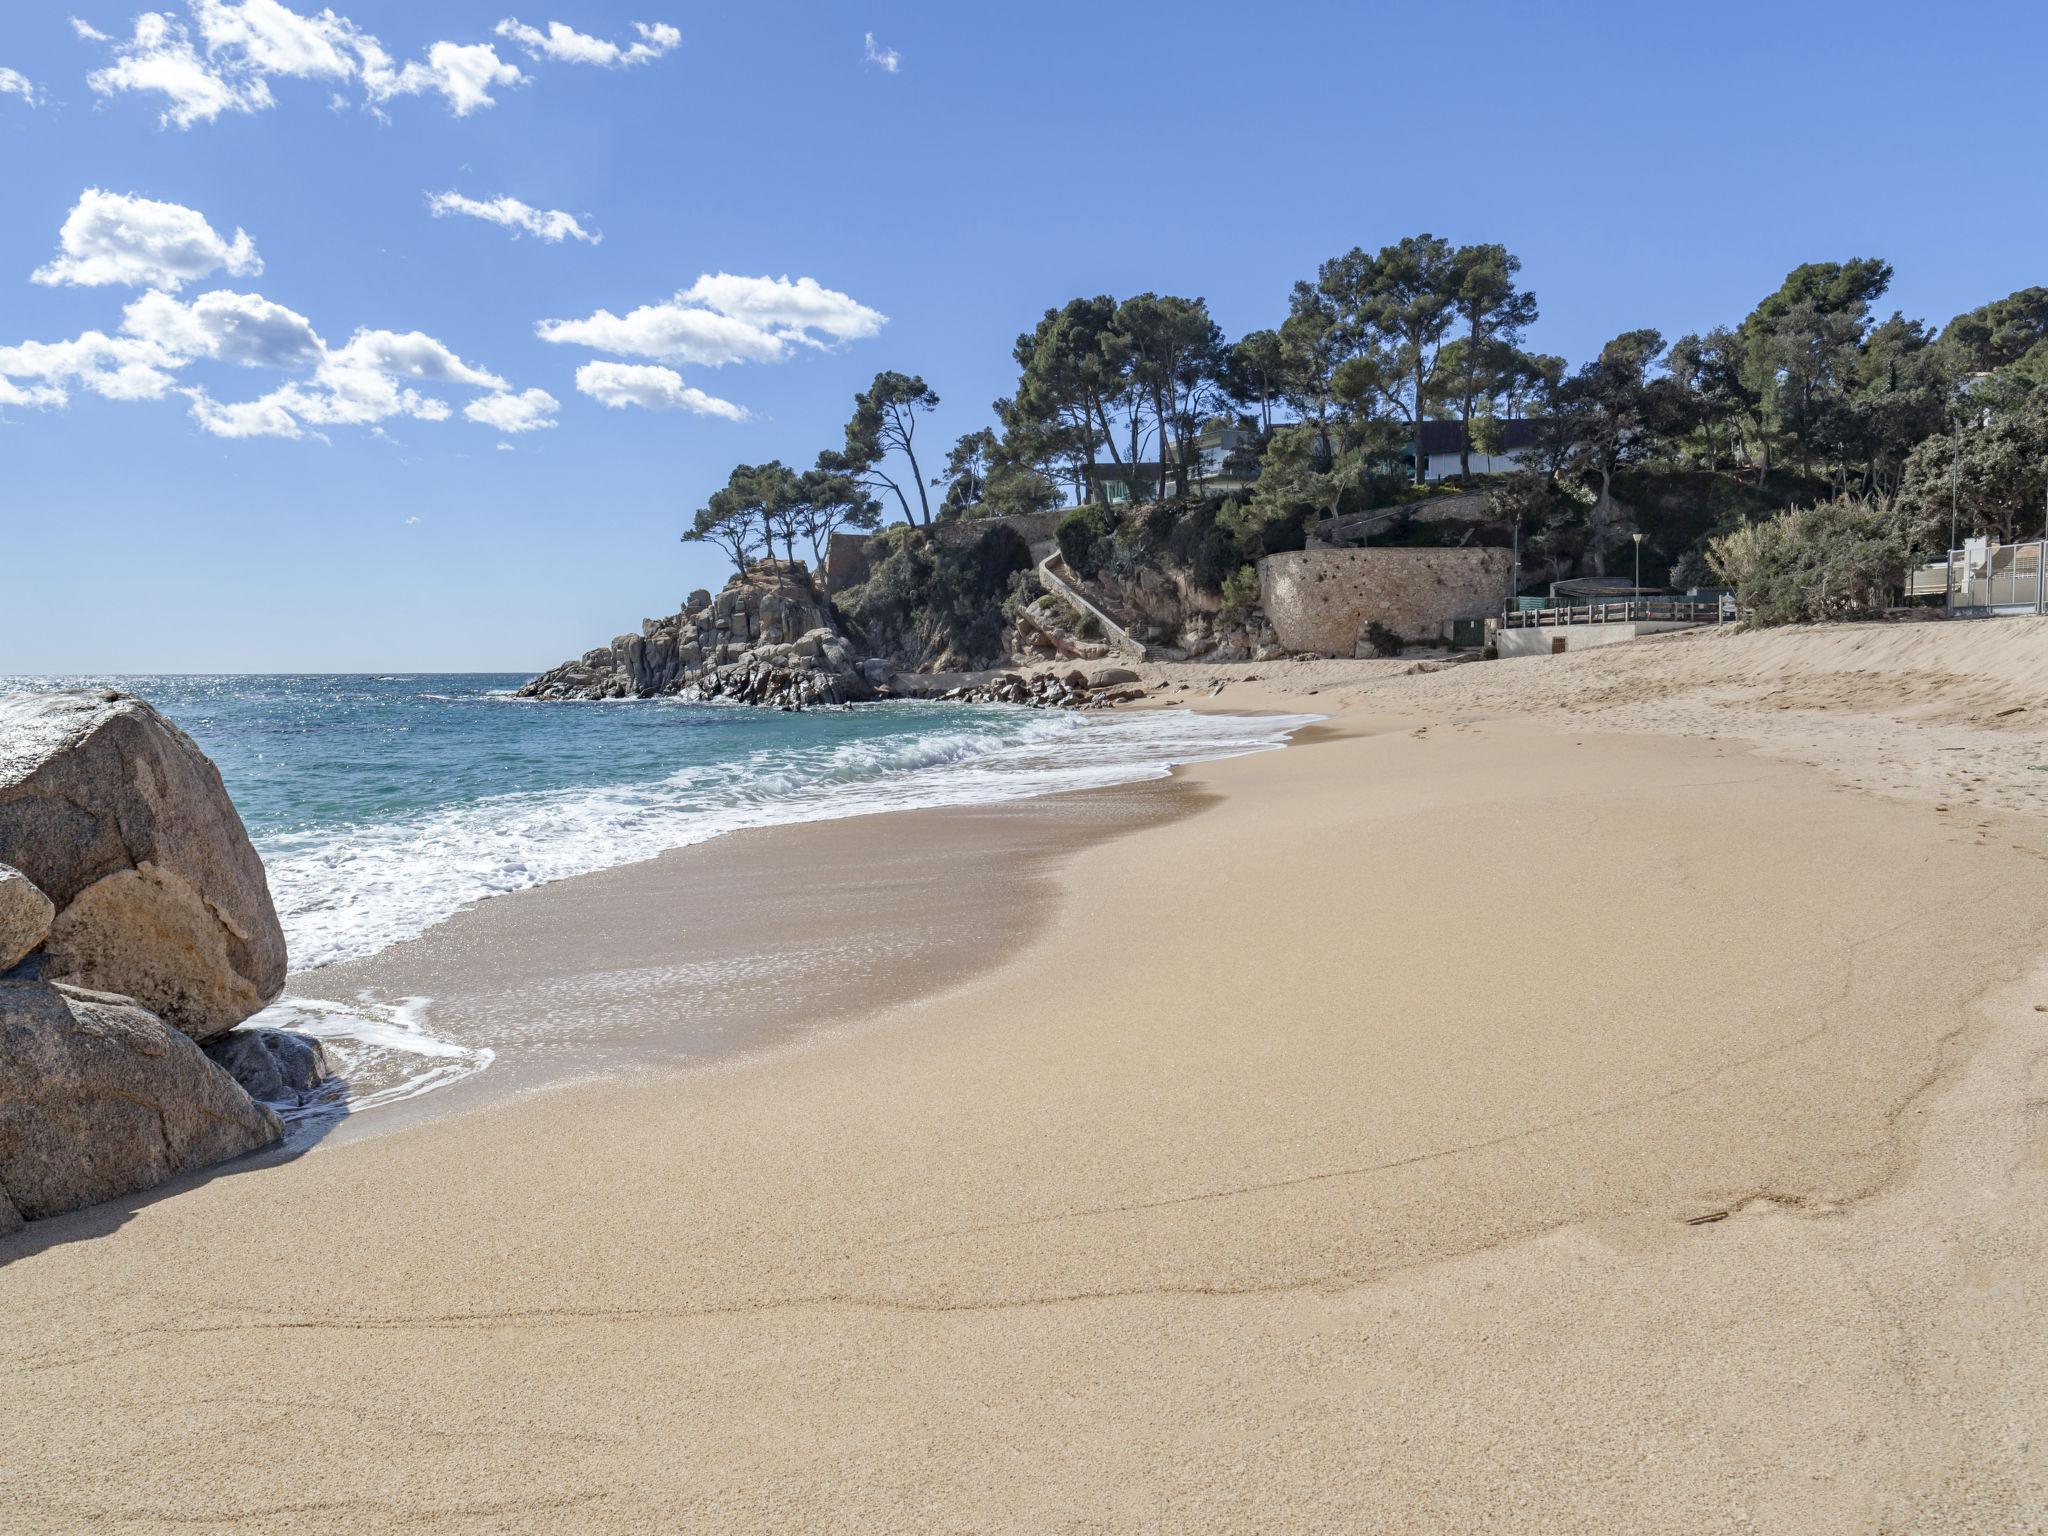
column 382, row 804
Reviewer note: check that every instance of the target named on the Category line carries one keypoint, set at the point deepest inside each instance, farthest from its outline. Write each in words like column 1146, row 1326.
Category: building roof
column 1446, row 437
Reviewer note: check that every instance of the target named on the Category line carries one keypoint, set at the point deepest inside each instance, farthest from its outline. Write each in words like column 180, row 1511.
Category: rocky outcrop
column 25, row 915
column 768, row 638
column 274, row 1066
column 124, row 824
column 1094, row 688
column 101, row 1098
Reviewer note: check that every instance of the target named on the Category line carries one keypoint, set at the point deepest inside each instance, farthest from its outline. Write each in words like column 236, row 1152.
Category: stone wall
column 846, row 560
column 1323, row 599
column 846, row 556
column 1037, row 528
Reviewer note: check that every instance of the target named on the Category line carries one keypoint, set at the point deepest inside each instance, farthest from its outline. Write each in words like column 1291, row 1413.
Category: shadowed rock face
column 100, row 1098
column 124, row 824
column 25, row 915
column 274, row 1066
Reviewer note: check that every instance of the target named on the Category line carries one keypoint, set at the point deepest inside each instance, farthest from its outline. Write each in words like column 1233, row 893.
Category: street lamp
column 1637, row 595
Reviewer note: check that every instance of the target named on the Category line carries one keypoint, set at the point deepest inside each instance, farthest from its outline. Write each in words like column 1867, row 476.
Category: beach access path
column 1589, row 1093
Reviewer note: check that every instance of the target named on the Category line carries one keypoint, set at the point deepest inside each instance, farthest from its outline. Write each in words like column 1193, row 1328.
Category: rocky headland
column 772, row 638
column 136, row 931
column 768, row 638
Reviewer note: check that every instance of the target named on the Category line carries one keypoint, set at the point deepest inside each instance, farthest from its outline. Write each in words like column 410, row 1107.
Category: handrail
column 1067, row 590
column 1651, row 610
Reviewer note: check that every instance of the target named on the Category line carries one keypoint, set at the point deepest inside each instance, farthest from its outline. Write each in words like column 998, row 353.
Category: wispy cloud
column 222, row 55
column 619, row 385
column 565, row 45
column 888, row 58
column 14, row 83
column 549, row 224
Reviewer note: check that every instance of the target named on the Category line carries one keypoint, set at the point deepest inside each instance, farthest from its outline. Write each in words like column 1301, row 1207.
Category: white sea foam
column 351, row 891
column 380, row 1052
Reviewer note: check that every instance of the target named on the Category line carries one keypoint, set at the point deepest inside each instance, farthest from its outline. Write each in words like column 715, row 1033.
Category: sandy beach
column 1596, row 1093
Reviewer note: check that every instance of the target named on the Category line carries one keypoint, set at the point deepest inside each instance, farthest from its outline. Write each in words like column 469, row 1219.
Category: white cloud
column 118, row 367
column 464, row 74
column 889, row 59
column 529, row 412
column 671, row 331
column 412, row 355
column 109, row 238
column 723, row 319
column 622, row 384
column 160, row 58
column 243, row 328
column 266, row 37
column 550, row 224
column 14, row 83
column 39, row 396
column 506, row 448
column 242, row 44
column 266, row 417
column 787, row 309
column 565, row 45
column 360, row 384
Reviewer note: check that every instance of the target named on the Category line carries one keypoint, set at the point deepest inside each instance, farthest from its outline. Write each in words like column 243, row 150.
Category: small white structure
column 1441, row 441
column 1556, row 639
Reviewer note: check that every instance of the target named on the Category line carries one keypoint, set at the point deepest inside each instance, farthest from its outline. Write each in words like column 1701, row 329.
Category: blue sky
column 1651, row 165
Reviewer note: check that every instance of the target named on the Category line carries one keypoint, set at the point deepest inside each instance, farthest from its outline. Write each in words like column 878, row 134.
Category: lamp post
column 1514, row 568
column 1954, row 473
column 1637, row 595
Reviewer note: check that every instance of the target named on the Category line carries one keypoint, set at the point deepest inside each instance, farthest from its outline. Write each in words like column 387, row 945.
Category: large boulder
column 25, row 916
column 100, row 1098
column 124, row 823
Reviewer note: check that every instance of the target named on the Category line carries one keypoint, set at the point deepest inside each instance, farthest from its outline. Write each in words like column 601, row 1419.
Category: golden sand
column 1599, row 1093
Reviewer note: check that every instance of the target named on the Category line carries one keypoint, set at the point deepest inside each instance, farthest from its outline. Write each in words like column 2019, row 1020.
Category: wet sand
column 1595, row 1096
column 724, row 950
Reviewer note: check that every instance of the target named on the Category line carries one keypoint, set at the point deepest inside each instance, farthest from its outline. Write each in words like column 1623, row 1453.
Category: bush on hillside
column 1081, row 536
column 1241, row 592
column 1841, row 559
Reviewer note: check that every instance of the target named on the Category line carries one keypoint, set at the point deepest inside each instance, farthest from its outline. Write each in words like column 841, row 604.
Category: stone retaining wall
column 1323, row 599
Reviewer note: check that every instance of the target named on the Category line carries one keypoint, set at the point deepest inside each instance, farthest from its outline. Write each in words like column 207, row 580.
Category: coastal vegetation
column 1394, row 376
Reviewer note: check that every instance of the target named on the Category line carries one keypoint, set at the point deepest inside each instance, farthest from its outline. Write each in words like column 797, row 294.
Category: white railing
column 1058, row 583
column 1653, row 610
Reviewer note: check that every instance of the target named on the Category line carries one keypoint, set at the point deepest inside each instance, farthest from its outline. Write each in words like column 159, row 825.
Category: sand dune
column 1595, row 1093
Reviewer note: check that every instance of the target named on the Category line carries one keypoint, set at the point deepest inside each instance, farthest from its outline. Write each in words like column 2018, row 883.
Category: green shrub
column 1841, row 559
column 1241, row 591
column 1081, row 534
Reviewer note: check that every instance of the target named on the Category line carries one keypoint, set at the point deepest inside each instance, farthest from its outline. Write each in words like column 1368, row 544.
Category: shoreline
column 1528, row 1109
column 787, row 951
column 701, row 930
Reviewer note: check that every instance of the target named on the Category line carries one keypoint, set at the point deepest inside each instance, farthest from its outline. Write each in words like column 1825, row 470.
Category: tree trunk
column 1159, row 411
column 916, row 474
column 1108, row 437
column 1421, row 475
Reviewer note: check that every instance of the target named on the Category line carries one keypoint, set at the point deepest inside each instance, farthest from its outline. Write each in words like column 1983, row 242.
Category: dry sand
column 1596, row 1093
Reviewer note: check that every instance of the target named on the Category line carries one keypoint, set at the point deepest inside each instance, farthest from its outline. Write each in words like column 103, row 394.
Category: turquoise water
column 383, row 804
